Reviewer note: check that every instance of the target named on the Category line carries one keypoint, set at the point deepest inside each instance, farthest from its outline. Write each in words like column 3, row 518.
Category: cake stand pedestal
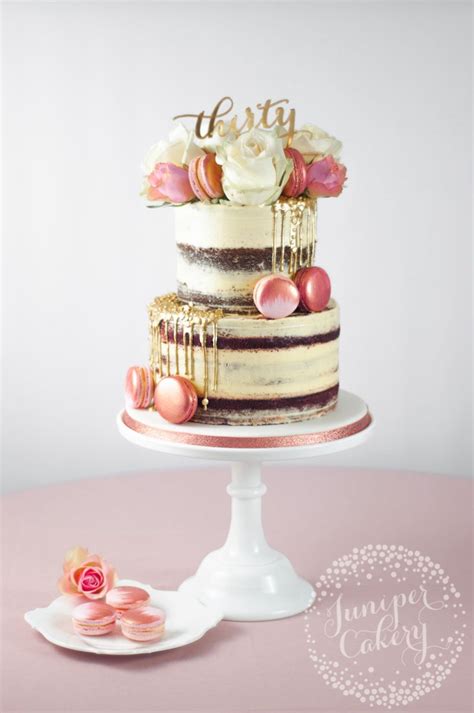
column 246, row 578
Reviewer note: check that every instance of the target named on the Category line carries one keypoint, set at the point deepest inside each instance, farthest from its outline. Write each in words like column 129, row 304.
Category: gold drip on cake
column 203, row 338
column 282, row 211
column 167, row 314
column 214, row 354
column 175, row 339
column 295, row 218
column 167, row 334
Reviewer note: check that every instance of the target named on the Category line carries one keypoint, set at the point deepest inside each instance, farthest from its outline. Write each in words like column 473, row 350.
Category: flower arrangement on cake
column 250, row 165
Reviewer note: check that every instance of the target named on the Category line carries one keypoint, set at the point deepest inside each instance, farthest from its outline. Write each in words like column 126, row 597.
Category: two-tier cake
column 251, row 334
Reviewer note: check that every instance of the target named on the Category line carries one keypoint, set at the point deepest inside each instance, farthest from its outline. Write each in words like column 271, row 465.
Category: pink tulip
column 169, row 183
column 86, row 574
column 325, row 178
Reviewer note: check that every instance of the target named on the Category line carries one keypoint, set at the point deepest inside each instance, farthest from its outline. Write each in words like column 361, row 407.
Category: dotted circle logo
column 386, row 627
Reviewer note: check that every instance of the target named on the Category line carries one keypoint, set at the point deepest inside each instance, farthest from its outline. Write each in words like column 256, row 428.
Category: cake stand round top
column 348, row 425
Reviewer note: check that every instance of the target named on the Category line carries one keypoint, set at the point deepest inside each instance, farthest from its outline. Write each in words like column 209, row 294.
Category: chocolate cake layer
column 234, row 259
column 232, row 342
column 259, row 412
column 321, row 398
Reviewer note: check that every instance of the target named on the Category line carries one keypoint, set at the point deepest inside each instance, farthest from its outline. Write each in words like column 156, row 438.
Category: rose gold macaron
column 175, row 399
column 205, row 177
column 276, row 296
column 210, row 176
column 145, row 624
column 93, row 619
column 124, row 598
column 139, row 387
column 198, row 190
column 296, row 184
column 314, row 287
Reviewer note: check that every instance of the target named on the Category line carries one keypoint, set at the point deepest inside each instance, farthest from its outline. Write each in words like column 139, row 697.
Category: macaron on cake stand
column 247, row 579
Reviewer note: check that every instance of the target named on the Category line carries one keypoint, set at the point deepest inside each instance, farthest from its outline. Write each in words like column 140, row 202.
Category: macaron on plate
column 182, row 620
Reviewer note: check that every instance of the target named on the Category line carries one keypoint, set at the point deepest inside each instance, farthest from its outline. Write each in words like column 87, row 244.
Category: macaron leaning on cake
column 93, row 619
column 139, row 387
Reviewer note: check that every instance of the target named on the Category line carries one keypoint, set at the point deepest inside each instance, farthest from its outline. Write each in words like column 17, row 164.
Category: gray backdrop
column 89, row 87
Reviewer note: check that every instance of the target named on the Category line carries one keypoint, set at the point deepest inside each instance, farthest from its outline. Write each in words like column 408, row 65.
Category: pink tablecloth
column 156, row 527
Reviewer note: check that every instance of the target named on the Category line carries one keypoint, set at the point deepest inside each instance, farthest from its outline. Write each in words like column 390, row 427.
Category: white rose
column 254, row 167
column 179, row 149
column 315, row 143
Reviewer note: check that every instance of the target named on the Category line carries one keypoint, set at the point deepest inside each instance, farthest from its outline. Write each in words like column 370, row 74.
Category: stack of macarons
column 127, row 606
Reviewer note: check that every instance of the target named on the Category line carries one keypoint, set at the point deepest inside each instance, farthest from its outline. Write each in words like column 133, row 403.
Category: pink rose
column 86, row 574
column 325, row 178
column 169, row 183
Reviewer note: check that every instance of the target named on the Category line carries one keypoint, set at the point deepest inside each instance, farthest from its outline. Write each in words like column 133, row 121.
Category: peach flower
column 325, row 178
column 168, row 183
column 86, row 574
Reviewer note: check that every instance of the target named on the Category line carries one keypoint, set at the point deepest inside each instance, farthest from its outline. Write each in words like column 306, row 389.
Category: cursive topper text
column 272, row 113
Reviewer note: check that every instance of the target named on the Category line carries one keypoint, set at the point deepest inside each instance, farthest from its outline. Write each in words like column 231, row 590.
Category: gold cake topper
column 273, row 113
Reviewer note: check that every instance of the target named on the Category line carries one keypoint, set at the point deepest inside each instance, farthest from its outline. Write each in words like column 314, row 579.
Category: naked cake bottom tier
column 249, row 370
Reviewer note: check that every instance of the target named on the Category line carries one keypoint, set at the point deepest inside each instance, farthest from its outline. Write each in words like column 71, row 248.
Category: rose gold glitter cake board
column 349, row 420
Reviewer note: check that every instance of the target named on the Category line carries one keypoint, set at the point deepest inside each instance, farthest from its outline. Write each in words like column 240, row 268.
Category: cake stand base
column 247, row 579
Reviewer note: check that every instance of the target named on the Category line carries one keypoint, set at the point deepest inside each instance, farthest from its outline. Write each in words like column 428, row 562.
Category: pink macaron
column 144, row 624
column 122, row 599
column 276, row 296
column 198, row 189
column 210, row 176
column 314, row 287
column 296, row 184
column 93, row 619
column 175, row 399
column 205, row 177
column 139, row 387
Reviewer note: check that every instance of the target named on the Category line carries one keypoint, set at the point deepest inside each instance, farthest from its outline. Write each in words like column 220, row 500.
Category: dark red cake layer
column 320, row 399
column 245, row 343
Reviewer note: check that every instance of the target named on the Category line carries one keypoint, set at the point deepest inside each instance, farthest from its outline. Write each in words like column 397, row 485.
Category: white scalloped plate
column 187, row 620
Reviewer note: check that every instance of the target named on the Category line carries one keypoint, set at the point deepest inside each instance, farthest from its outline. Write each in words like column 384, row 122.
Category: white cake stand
column 247, row 579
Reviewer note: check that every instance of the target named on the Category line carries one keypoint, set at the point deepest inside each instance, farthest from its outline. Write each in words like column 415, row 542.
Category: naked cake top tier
column 224, row 249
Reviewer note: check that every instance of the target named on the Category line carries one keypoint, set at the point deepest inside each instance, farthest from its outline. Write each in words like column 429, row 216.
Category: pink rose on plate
column 325, row 178
column 86, row 574
column 168, row 183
